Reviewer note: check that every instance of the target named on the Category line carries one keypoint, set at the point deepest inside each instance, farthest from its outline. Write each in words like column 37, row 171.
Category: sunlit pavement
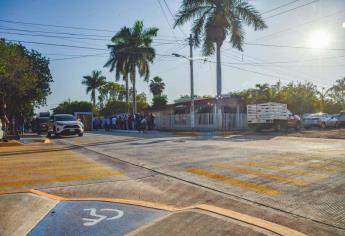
column 295, row 182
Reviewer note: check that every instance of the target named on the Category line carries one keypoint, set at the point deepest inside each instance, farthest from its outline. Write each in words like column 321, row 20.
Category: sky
column 286, row 51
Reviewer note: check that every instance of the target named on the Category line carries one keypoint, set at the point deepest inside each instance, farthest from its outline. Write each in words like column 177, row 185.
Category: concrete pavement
column 186, row 171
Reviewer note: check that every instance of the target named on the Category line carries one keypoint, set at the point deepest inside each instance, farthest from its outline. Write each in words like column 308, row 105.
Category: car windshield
column 65, row 118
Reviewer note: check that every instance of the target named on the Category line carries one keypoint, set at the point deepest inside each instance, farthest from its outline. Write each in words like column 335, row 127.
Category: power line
column 93, row 36
column 298, row 73
column 80, row 56
column 305, row 23
column 51, row 36
column 54, row 32
column 283, row 62
column 58, row 45
column 286, row 11
column 281, row 6
column 296, row 47
column 172, row 15
column 242, row 69
column 166, row 18
column 56, row 26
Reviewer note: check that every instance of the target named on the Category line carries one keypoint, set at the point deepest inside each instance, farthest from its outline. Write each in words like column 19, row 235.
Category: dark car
column 41, row 124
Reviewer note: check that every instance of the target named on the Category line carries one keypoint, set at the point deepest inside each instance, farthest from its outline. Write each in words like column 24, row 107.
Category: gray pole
column 191, row 82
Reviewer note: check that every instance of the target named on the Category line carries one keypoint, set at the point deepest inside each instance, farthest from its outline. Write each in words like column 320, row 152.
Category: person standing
column 4, row 121
column 113, row 122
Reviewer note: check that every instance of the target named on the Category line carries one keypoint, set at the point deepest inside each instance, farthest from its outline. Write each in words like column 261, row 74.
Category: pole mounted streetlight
column 191, row 78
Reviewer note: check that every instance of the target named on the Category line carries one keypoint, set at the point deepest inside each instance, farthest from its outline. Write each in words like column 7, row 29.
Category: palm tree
column 118, row 61
column 93, row 82
column 214, row 20
column 157, row 86
column 131, row 51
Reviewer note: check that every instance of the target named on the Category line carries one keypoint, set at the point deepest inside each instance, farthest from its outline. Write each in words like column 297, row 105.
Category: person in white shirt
column 113, row 122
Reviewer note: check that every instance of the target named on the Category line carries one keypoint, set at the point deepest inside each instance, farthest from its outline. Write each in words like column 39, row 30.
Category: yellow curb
column 47, row 195
column 275, row 228
column 14, row 191
column 10, row 143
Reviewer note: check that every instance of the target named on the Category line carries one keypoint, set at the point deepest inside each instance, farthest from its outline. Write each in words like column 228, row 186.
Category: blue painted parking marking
column 94, row 218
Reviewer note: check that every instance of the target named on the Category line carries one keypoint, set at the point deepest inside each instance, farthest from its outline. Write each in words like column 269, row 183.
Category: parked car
column 341, row 118
column 321, row 120
column 41, row 124
column 64, row 124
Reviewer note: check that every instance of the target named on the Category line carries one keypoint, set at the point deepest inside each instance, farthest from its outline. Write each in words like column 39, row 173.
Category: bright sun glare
column 319, row 39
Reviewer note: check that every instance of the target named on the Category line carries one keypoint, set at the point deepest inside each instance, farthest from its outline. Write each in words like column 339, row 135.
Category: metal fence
column 202, row 121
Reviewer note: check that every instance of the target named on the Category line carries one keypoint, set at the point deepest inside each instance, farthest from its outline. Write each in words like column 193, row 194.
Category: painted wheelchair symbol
column 99, row 218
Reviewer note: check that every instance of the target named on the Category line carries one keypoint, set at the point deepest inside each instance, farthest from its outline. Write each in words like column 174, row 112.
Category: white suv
column 64, row 124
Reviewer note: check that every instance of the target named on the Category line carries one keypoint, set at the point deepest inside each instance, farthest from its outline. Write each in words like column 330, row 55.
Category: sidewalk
column 46, row 214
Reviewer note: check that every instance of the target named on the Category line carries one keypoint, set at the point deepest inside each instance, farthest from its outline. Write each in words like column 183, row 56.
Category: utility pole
column 192, row 123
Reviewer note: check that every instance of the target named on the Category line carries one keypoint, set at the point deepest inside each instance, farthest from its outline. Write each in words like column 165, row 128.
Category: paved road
column 302, row 176
column 274, row 178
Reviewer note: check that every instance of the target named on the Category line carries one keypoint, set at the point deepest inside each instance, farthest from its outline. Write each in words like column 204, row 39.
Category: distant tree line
column 300, row 97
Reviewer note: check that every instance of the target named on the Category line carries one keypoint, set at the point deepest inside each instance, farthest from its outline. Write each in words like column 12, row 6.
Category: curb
column 10, row 143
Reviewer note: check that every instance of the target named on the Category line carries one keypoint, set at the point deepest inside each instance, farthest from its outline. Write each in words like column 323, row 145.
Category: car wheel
column 323, row 125
column 80, row 134
column 55, row 133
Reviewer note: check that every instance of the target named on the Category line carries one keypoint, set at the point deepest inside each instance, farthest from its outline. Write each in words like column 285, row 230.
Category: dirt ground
column 319, row 133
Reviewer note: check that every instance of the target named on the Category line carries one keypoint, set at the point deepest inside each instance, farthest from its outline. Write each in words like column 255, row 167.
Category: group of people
column 125, row 122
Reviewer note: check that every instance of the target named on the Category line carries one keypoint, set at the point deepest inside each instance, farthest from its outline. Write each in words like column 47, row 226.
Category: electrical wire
column 293, row 47
column 281, row 6
column 172, row 15
column 292, row 9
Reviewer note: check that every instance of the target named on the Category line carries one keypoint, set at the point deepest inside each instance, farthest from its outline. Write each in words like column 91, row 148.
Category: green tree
column 93, row 82
column 24, row 79
column 141, row 101
column 338, row 92
column 323, row 94
column 157, row 86
column 159, row 101
column 111, row 91
column 133, row 47
column 67, row 107
column 113, row 107
column 214, row 20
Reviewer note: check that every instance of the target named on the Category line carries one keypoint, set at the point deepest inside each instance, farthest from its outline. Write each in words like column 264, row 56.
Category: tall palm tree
column 131, row 51
column 118, row 61
column 93, row 82
column 157, row 86
column 214, row 20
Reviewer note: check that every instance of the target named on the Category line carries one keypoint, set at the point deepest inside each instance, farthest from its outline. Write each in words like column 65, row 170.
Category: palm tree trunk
column 134, row 91
column 127, row 92
column 219, row 72
column 219, row 82
column 93, row 97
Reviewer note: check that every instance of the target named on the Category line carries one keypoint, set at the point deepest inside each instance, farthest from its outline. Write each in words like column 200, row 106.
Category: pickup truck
column 271, row 115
